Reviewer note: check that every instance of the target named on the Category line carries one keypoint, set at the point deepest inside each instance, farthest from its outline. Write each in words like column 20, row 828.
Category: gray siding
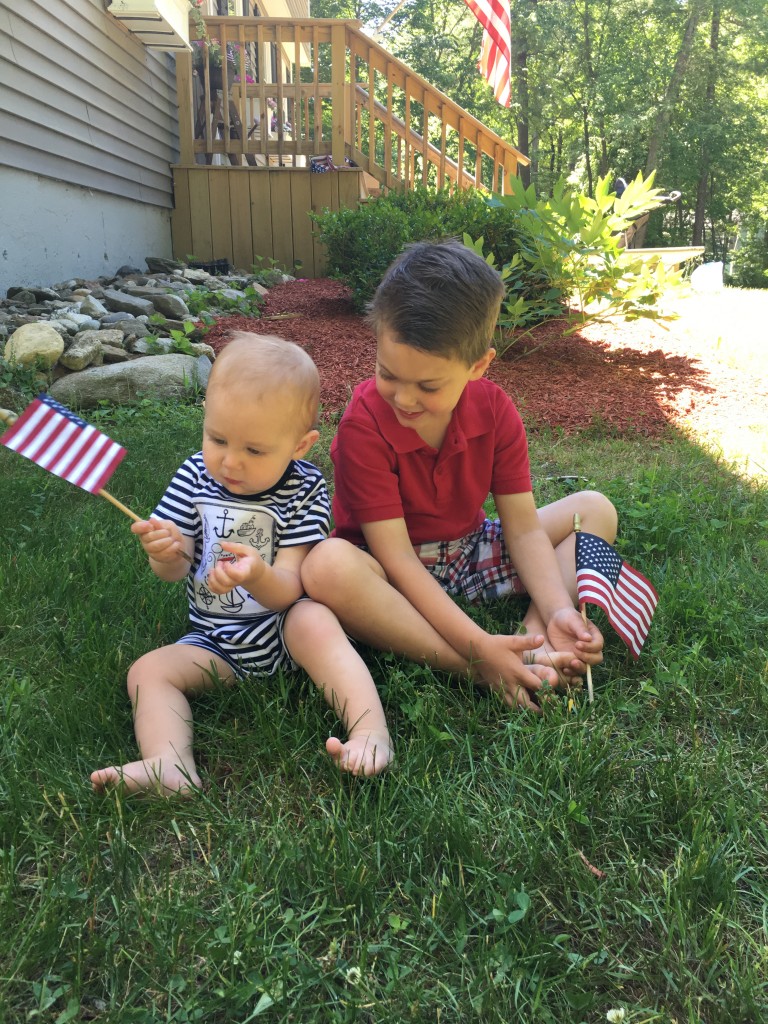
column 82, row 102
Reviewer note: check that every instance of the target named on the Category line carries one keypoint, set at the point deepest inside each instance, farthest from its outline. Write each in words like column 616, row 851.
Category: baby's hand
column 161, row 539
column 245, row 571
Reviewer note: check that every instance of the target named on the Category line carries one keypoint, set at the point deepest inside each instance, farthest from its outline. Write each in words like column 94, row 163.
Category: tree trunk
column 520, row 82
column 661, row 124
column 522, row 123
column 713, row 71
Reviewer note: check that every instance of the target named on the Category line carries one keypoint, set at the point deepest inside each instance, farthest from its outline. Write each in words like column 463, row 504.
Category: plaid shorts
column 476, row 567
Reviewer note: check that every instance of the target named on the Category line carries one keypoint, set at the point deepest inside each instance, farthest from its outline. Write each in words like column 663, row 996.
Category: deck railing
column 294, row 89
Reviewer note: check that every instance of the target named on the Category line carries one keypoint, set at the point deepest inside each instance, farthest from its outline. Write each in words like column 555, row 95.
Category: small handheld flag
column 57, row 440
column 625, row 595
column 50, row 434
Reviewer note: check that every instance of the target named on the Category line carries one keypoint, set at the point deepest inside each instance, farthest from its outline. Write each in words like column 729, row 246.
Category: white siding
column 83, row 102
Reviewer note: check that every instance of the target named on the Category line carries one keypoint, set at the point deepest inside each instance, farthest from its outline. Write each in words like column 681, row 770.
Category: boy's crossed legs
column 354, row 585
column 159, row 682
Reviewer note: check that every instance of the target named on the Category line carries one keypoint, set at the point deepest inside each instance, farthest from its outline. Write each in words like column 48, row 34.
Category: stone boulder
column 33, row 342
column 159, row 377
column 121, row 302
column 85, row 350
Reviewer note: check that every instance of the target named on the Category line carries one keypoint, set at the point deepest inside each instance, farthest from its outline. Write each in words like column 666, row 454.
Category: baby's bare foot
column 364, row 753
column 157, row 776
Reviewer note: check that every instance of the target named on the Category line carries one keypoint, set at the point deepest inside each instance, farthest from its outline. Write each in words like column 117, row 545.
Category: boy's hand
column 502, row 663
column 245, row 572
column 161, row 539
column 567, row 631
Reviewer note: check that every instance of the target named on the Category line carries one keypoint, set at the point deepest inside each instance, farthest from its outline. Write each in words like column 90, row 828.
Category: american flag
column 625, row 595
column 496, row 56
column 54, row 438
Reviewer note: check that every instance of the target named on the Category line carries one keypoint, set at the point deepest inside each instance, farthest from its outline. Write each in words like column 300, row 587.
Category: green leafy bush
column 360, row 244
column 552, row 253
column 570, row 262
column 19, row 383
column 749, row 262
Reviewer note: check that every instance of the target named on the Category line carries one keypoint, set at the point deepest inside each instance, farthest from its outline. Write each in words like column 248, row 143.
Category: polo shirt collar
column 471, row 418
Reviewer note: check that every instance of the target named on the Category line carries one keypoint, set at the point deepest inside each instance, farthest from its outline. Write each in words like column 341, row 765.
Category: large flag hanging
column 54, row 438
column 625, row 595
column 496, row 56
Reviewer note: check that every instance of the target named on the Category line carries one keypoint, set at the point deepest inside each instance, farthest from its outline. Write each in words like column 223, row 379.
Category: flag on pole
column 54, row 438
column 496, row 56
column 625, row 595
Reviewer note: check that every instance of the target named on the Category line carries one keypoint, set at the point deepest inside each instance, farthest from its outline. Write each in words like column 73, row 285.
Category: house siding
column 88, row 133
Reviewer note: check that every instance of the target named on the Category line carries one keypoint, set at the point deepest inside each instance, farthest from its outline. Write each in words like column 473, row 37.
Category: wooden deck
column 293, row 89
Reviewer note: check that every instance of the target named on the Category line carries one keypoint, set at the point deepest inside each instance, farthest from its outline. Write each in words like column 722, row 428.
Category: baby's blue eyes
column 221, row 443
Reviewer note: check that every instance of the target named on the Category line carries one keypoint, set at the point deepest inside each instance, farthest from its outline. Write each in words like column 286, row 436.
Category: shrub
column 360, row 244
column 569, row 260
column 749, row 262
column 551, row 252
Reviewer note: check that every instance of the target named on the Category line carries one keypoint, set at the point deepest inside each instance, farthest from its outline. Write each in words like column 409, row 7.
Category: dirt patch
column 634, row 378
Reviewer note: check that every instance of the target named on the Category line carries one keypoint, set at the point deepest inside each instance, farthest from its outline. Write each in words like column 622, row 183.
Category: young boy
column 417, row 452
column 237, row 521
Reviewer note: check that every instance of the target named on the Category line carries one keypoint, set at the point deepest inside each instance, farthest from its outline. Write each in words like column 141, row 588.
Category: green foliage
column 19, row 380
column 360, row 244
column 183, row 339
column 749, row 262
column 247, row 302
column 551, row 252
column 569, row 255
column 267, row 272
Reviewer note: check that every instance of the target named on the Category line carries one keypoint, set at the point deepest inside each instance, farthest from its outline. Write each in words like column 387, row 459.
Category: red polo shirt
column 383, row 470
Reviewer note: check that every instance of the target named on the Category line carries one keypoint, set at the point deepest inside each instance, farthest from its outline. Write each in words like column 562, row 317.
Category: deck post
column 339, row 101
column 184, row 93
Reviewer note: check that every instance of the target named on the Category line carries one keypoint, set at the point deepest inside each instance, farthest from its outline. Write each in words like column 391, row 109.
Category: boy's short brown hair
column 439, row 297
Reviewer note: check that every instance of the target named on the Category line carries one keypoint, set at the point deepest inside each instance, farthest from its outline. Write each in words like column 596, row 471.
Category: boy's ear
column 305, row 443
column 478, row 369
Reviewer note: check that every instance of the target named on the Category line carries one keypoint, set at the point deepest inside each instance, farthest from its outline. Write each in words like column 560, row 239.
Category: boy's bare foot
column 156, row 776
column 364, row 753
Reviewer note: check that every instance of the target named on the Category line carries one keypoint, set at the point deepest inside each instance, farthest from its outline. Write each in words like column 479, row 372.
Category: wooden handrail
column 334, row 91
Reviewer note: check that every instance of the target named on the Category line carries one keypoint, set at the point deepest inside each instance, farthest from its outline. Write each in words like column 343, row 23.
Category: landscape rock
column 113, row 354
column 124, row 303
column 91, row 306
column 170, row 376
column 87, row 333
column 32, row 342
column 86, row 350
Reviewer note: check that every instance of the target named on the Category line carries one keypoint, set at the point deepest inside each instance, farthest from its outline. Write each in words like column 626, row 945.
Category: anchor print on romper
column 223, row 523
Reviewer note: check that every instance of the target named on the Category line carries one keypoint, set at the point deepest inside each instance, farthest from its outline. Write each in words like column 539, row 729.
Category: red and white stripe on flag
column 57, row 440
column 625, row 595
column 496, row 57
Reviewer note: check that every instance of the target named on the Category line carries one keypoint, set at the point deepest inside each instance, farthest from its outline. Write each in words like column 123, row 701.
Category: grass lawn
column 509, row 868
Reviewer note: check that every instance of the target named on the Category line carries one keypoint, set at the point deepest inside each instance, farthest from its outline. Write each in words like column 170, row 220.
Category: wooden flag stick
column 132, row 515
column 118, row 504
column 583, row 610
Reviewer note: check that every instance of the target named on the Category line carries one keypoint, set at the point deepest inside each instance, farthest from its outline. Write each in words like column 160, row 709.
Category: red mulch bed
column 628, row 377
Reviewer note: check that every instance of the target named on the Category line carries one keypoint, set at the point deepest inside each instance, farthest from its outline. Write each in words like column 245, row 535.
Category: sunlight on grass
column 728, row 331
